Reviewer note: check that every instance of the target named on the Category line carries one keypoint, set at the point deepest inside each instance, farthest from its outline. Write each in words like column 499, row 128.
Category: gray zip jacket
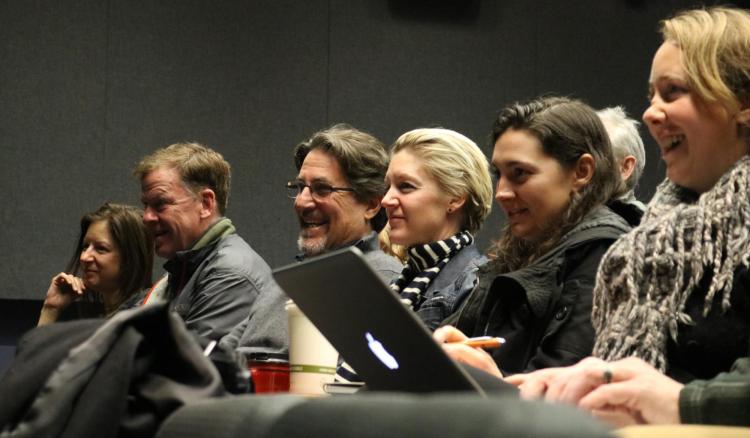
column 223, row 283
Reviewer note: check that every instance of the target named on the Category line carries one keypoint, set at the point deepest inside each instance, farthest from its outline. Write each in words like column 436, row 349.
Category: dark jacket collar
column 632, row 212
column 540, row 279
column 184, row 263
column 188, row 259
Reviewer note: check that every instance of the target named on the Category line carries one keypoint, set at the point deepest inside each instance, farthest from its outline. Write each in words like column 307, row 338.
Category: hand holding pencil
column 469, row 350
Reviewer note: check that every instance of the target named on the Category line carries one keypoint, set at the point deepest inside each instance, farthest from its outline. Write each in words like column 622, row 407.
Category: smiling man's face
column 171, row 212
column 334, row 220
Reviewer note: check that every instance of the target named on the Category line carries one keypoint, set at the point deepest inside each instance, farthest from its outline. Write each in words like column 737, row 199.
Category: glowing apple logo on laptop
column 380, row 352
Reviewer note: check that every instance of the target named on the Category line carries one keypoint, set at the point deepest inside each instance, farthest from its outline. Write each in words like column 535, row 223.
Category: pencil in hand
column 486, row 342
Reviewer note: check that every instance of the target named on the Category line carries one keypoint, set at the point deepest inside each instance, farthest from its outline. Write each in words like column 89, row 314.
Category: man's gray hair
column 625, row 139
column 363, row 160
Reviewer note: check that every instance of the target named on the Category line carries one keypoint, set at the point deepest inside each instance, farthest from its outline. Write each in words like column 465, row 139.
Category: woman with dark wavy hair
column 113, row 261
column 555, row 173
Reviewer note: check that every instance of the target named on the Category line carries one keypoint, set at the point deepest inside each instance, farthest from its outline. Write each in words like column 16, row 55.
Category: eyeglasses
column 318, row 190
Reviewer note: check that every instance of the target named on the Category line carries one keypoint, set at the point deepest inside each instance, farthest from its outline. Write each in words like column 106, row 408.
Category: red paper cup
column 270, row 372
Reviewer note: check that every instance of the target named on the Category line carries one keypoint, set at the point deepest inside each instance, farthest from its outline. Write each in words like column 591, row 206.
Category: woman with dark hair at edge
column 555, row 174
column 112, row 262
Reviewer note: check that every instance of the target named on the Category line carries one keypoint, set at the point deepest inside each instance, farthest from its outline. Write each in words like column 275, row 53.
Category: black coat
column 91, row 378
column 713, row 342
column 543, row 310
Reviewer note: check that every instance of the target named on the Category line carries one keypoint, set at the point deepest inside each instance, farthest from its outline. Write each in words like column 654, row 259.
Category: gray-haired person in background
column 630, row 155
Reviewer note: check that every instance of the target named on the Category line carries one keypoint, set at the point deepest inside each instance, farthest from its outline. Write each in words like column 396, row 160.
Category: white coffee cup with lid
column 312, row 359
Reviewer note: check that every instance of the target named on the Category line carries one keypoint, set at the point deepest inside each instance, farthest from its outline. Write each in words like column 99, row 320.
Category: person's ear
column 456, row 203
column 743, row 117
column 373, row 207
column 583, row 171
column 627, row 166
column 208, row 202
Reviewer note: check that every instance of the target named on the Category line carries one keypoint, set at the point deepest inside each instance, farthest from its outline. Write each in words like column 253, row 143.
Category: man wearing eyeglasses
column 337, row 195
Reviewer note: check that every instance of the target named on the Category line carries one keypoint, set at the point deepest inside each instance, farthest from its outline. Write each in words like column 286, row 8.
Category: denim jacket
column 226, row 283
column 448, row 290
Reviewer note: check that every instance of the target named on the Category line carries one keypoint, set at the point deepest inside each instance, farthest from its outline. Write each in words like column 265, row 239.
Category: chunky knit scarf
column 647, row 276
column 424, row 264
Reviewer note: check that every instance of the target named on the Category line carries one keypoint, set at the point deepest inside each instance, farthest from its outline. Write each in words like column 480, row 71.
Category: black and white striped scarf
column 424, row 264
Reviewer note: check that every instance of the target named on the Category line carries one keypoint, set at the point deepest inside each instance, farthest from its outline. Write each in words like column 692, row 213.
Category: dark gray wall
column 87, row 87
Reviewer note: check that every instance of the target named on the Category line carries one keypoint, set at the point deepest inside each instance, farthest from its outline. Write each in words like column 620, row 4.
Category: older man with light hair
column 214, row 280
column 630, row 155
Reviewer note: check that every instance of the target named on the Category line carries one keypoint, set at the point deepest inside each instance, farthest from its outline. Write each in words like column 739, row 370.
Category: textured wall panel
column 89, row 87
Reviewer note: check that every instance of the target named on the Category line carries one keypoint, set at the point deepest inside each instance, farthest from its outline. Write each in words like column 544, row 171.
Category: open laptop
column 382, row 339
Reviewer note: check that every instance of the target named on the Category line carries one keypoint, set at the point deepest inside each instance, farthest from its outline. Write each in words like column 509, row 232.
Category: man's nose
column 149, row 215
column 304, row 199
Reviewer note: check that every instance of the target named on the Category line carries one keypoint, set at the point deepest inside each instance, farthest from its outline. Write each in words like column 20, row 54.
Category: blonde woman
column 439, row 194
column 672, row 301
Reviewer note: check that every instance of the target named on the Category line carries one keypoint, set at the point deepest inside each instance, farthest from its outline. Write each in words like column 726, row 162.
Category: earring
column 450, row 210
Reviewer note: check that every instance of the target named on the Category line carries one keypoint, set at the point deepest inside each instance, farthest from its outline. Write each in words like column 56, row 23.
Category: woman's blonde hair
column 715, row 46
column 390, row 248
column 458, row 166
